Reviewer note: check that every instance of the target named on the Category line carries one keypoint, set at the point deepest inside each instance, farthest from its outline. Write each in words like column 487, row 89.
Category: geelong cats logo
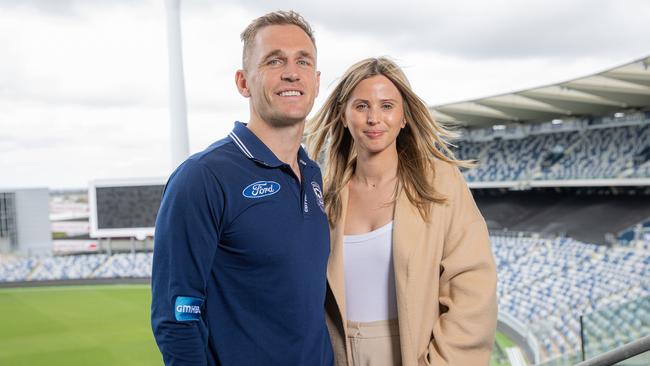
column 319, row 195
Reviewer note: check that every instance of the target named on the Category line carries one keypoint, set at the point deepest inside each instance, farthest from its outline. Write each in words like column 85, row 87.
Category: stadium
column 562, row 179
column 562, row 175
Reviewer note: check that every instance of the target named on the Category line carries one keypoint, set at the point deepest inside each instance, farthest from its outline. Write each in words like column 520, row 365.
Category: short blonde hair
column 279, row 17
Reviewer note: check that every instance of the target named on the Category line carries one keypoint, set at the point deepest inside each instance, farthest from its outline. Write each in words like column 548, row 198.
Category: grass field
column 77, row 325
column 499, row 358
column 84, row 326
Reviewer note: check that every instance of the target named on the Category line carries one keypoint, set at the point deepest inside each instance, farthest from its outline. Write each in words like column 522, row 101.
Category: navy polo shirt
column 240, row 258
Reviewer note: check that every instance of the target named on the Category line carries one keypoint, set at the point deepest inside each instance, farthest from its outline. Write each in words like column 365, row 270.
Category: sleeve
column 185, row 242
column 464, row 332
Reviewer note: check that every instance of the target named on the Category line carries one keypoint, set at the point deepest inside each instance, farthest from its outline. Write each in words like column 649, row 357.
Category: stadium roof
column 622, row 87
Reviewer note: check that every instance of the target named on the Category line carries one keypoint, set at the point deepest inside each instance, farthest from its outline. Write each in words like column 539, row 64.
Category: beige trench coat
column 445, row 280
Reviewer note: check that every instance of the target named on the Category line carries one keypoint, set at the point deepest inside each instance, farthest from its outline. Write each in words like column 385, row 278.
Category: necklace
column 374, row 185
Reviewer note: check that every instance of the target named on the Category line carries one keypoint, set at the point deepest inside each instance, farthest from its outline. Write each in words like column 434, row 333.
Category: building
column 24, row 221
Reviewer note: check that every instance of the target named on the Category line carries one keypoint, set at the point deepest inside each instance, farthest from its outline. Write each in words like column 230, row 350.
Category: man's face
column 280, row 75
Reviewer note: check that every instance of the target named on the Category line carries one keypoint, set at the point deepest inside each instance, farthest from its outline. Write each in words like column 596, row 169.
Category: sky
column 84, row 83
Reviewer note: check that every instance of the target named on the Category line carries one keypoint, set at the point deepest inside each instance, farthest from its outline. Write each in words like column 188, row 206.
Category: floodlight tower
column 177, row 101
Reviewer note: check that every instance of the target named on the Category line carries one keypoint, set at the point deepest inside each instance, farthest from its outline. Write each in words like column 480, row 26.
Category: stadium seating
column 16, row 269
column 512, row 159
column 67, row 267
column 638, row 231
column 604, row 149
column 126, row 265
column 72, row 267
column 548, row 283
column 603, row 153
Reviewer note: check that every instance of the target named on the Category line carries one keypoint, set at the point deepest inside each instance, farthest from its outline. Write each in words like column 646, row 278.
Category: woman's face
column 374, row 114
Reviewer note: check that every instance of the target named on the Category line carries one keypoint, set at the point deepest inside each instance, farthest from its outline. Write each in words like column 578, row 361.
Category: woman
column 411, row 276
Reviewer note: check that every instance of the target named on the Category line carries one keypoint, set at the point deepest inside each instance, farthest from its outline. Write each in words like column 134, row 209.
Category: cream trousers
column 375, row 343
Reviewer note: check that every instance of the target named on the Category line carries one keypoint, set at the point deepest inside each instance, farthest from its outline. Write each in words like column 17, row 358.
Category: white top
column 369, row 276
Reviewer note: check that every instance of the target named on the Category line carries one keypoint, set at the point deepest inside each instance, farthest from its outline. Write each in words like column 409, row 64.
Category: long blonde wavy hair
column 419, row 143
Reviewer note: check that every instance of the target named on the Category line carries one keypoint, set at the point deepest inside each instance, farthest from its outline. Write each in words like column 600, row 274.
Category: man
column 242, row 239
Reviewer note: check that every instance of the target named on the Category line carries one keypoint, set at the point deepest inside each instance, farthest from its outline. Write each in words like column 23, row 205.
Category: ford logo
column 261, row 189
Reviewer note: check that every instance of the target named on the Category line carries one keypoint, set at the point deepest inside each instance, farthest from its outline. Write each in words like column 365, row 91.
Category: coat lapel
column 335, row 275
column 409, row 232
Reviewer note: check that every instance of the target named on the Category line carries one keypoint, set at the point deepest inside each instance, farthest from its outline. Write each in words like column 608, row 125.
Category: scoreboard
column 124, row 208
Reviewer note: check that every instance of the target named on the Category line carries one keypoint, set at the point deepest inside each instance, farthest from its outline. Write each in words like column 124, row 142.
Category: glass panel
column 612, row 327
column 639, row 360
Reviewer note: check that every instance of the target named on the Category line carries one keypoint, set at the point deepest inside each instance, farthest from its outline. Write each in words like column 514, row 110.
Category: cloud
column 106, row 58
column 70, row 145
column 497, row 29
column 83, row 83
column 63, row 8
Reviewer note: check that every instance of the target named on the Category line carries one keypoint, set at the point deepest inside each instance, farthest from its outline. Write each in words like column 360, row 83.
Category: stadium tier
column 547, row 284
column 589, row 214
column 76, row 267
column 136, row 265
column 602, row 148
column 639, row 230
column 15, row 269
column 613, row 327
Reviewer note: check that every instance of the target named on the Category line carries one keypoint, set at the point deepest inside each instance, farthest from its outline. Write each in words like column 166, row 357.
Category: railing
column 619, row 354
column 525, row 337
column 614, row 326
column 525, row 234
